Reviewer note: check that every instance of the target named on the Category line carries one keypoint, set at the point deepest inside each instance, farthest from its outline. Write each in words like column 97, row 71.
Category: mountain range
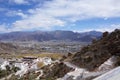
column 57, row 35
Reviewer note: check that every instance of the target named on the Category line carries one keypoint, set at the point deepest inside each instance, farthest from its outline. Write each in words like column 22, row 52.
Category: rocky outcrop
column 54, row 71
column 92, row 56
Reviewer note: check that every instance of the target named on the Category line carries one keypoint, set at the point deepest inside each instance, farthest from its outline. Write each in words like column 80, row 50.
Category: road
column 80, row 73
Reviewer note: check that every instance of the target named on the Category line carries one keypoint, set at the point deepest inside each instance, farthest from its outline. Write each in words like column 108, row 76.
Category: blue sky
column 75, row 15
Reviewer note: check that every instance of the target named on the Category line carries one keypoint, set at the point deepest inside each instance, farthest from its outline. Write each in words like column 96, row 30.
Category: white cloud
column 109, row 28
column 21, row 14
column 19, row 1
column 62, row 12
column 82, row 9
column 11, row 13
column 37, row 21
column 102, row 28
column 4, row 29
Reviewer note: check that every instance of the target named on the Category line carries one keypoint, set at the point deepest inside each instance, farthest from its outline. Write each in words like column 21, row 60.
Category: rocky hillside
column 7, row 48
column 54, row 71
column 92, row 56
column 10, row 48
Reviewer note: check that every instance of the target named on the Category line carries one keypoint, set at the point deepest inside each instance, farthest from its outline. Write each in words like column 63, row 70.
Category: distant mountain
column 50, row 35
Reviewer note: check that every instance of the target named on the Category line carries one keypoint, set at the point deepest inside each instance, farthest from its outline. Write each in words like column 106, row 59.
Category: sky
column 48, row 15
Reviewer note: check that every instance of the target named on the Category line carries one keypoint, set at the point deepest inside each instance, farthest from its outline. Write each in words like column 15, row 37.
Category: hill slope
column 92, row 56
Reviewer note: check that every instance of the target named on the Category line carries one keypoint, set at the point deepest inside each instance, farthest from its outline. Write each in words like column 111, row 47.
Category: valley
column 59, row 39
column 59, row 60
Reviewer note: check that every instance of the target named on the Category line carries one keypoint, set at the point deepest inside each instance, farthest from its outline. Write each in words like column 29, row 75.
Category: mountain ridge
column 50, row 35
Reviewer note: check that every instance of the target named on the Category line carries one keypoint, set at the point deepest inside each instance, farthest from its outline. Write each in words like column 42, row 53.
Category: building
column 28, row 58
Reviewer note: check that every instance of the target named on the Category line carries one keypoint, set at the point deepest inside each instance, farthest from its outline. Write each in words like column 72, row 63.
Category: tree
column 15, row 69
column 8, row 68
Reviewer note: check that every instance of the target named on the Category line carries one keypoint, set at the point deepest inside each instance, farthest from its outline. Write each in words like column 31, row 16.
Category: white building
column 4, row 64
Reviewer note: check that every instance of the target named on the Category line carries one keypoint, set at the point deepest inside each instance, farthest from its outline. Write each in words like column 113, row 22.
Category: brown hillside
column 92, row 56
